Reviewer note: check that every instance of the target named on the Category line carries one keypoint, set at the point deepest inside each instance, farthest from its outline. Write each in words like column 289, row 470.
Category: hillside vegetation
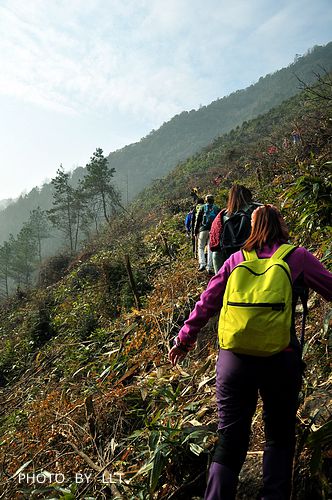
column 86, row 384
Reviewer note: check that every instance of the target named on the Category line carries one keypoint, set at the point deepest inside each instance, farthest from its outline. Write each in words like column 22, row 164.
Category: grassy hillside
column 86, row 384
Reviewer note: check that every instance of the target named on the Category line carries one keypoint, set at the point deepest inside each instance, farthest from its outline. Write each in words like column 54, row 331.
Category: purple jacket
column 315, row 275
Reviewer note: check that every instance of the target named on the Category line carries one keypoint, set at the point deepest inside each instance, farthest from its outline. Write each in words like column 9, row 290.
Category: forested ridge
column 155, row 155
column 185, row 134
column 86, row 384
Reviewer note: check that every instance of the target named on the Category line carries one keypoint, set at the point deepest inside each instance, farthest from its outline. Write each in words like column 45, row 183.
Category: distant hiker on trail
column 188, row 220
column 270, row 360
column 206, row 215
column 195, row 194
column 232, row 226
column 199, row 204
column 296, row 136
column 285, row 143
column 217, row 180
column 188, row 225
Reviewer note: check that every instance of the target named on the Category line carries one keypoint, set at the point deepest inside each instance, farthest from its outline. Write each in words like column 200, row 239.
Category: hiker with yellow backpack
column 255, row 292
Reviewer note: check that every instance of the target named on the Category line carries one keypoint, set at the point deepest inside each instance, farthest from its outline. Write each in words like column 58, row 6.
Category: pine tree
column 24, row 255
column 5, row 260
column 67, row 207
column 98, row 186
column 39, row 227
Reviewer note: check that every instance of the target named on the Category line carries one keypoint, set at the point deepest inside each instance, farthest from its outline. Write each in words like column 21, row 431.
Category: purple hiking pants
column 240, row 379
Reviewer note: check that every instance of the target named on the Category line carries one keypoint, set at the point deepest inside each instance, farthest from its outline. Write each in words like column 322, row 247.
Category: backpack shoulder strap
column 282, row 252
column 252, row 255
column 303, row 291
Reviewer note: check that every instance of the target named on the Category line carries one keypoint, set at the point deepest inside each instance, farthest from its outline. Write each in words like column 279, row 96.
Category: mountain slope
column 86, row 383
column 185, row 134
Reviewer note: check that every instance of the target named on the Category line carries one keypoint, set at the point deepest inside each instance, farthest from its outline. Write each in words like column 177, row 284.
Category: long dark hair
column 268, row 227
column 239, row 196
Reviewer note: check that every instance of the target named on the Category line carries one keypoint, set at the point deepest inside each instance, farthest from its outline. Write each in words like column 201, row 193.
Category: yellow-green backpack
column 256, row 315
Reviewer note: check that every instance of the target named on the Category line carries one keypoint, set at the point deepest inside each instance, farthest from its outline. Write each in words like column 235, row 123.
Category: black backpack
column 236, row 231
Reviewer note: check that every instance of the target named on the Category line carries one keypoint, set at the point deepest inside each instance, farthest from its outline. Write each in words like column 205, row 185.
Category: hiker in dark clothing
column 241, row 377
column 188, row 225
column 239, row 200
column 203, row 222
column 296, row 136
column 199, row 204
column 188, row 220
column 195, row 194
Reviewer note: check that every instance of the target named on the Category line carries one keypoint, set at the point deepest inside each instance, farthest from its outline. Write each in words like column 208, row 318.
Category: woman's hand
column 176, row 354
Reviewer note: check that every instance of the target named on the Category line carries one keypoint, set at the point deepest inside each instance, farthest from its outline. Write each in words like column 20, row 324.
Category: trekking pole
column 304, row 299
column 196, row 247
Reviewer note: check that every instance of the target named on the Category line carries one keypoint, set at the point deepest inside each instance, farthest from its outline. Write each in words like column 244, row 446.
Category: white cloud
column 147, row 57
column 115, row 69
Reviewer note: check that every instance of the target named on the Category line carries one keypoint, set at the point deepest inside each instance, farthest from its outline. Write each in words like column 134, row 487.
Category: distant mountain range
column 155, row 155
column 5, row 203
column 185, row 134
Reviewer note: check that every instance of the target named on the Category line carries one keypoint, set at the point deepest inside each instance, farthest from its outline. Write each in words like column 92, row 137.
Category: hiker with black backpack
column 198, row 206
column 255, row 292
column 232, row 226
column 206, row 215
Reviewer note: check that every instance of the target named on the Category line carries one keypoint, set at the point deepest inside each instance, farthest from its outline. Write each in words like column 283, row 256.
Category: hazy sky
column 80, row 74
